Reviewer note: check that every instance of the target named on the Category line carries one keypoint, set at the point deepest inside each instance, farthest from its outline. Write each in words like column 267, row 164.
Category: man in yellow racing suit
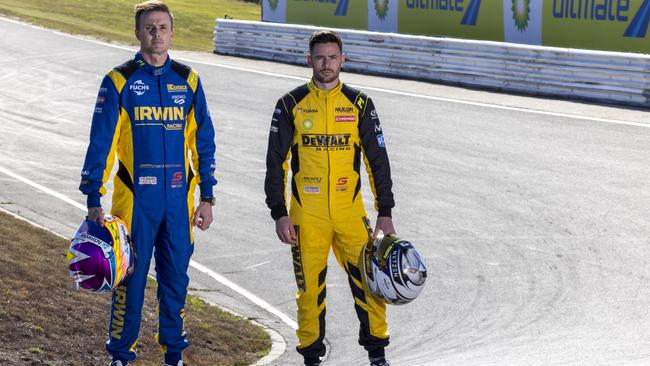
column 322, row 129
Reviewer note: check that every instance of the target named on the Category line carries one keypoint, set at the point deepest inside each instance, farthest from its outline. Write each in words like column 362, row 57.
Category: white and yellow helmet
column 394, row 271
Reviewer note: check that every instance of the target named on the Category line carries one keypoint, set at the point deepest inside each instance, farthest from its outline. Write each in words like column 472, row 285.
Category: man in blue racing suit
column 151, row 112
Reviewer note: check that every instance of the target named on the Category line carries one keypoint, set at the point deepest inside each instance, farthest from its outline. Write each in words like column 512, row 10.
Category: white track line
column 382, row 90
column 214, row 275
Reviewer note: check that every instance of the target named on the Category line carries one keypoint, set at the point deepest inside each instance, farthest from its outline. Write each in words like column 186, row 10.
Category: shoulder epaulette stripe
column 118, row 80
column 187, row 73
column 127, row 69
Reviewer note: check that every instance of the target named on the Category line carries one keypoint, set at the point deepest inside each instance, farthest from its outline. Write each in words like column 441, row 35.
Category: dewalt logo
column 330, row 142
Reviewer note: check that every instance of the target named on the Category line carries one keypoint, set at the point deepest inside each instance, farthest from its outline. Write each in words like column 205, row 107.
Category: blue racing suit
column 155, row 119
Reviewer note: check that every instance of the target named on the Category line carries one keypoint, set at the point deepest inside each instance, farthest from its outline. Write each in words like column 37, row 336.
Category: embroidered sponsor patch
column 380, row 140
column 148, row 181
column 345, row 118
column 312, row 189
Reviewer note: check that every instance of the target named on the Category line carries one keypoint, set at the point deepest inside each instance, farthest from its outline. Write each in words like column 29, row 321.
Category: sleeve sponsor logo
column 99, row 110
column 100, row 100
column 373, row 114
column 277, row 111
column 380, row 141
column 345, row 118
column 150, row 181
column 139, row 87
column 274, row 129
column 377, row 127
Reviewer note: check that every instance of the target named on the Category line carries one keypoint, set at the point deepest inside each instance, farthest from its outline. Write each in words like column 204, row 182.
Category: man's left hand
column 203, row 216
column 385, row 225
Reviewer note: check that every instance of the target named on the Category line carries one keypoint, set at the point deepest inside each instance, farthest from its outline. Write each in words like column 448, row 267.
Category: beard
column 321, row 77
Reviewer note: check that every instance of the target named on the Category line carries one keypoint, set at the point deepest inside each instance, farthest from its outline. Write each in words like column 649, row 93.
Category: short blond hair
column 151, row 5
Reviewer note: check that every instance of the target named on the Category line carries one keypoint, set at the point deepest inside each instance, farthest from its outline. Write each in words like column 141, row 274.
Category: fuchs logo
column 381, row 8
column 273, row 4
column 326, row 142
column 344, row 109
column 139, row 87
column 521, row 14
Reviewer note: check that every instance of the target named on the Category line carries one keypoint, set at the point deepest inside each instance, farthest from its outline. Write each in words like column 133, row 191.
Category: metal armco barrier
column 613, row 77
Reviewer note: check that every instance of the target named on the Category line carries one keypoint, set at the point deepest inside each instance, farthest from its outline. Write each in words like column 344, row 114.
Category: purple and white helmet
column 100, row 258
column 394, row 271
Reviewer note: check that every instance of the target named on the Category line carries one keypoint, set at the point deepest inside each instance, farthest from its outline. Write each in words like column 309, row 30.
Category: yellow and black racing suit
column 326, row 132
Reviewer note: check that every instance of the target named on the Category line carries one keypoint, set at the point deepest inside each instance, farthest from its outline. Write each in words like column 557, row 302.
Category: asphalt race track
column 531, row 213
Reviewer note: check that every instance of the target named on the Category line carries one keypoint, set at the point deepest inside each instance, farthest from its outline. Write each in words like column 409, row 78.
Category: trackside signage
column 609, row 25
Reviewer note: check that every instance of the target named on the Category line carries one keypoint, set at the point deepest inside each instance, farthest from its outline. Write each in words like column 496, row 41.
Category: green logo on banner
column 521, row 13
column 273, row 4
column 381, row 8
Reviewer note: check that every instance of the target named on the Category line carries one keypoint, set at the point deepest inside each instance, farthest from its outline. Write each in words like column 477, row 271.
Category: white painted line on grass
column 382, row 90
column 16, row 216
column 214, row 275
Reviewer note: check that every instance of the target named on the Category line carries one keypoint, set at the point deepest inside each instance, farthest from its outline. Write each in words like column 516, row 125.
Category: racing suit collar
column 320, row 93
column 153, row 70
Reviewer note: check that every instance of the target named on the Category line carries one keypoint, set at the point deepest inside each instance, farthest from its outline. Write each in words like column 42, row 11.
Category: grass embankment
column 44, row 321
column 112, row 20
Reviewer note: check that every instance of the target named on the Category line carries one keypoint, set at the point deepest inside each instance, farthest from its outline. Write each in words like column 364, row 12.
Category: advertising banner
column 522, row 21
column 351, row 14
column 609, row 25
column 382, row 16
column 274, row 11
column 472, row 19
column 612, row 25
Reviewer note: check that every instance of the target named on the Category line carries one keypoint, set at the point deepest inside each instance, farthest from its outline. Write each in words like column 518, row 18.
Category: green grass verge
column 44, row 321
column 112, row 20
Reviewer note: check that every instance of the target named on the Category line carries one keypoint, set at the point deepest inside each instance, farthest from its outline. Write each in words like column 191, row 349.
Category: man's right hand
column 285, row 230
column 96, row 214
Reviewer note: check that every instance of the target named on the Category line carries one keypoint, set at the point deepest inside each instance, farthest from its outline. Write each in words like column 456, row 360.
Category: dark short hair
column 151, row 5
column 325, row 36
